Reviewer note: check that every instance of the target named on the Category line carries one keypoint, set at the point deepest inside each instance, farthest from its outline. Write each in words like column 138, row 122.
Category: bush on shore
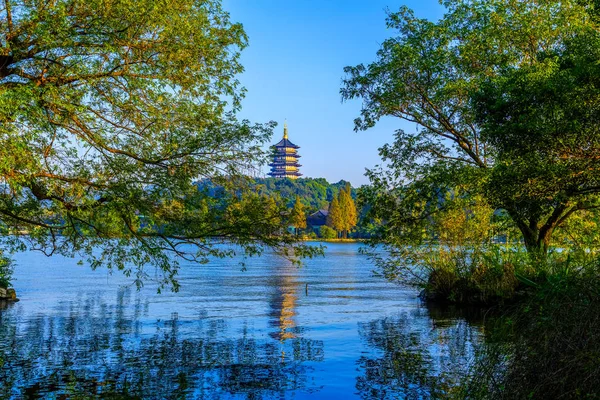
column 547, row 345
column 474, row 277
column 6, row 271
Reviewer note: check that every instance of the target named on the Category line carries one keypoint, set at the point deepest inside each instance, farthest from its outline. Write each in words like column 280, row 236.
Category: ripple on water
column 326, row 330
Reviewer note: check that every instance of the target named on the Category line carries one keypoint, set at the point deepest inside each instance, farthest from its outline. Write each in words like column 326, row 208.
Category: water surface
column 329, row 329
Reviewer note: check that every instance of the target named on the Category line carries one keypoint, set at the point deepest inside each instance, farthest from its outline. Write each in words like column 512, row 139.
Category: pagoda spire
column 285, row 132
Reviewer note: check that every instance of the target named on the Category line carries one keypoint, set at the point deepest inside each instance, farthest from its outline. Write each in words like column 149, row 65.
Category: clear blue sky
column 294, row 67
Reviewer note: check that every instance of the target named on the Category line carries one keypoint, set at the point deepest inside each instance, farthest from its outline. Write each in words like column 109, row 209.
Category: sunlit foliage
column 109, row 111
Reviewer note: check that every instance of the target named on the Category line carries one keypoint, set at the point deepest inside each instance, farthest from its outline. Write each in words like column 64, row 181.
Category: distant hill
column 315, row 193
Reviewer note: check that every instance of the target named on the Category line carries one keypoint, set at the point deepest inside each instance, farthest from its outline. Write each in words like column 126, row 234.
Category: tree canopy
column 314, row 193
column 347, row 210
column 110, row 110
column 450, row 79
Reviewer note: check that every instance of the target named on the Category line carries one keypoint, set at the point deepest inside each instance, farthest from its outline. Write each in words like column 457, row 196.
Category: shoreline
column 335, row 240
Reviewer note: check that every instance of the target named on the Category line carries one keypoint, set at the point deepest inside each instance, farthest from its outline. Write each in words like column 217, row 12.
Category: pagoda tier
column 283, row 165
column 285, row 158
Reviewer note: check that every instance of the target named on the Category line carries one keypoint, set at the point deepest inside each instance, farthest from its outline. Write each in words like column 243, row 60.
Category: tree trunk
column 536, row 240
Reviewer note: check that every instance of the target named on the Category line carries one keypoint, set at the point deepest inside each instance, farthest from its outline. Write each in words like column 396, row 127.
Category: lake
column 329, row 329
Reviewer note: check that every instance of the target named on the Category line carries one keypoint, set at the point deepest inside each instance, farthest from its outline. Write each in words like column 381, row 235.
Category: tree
column 547, row 155
column 298, row 217
column 6, row 271
column 110, row 110
column 348, row 209
column 334, row 216
column 428, row 75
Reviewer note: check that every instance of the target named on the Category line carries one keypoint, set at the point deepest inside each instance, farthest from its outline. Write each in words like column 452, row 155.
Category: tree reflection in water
column 416, row 360
column 91, row 349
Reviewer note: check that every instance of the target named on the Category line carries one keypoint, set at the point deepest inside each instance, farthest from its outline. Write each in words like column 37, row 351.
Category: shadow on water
column 93, row 349
column 422, row 361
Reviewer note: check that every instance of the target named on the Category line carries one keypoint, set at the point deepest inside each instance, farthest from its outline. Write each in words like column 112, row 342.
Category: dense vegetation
column 507, row 142
column 494, row 197
column 314, row 193
column 545, row 346
column 111, row 110
column 308, row 195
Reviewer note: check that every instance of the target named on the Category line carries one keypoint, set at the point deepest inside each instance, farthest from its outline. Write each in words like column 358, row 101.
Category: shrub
column 327, row 232
column 311, row 235
column 481, row 275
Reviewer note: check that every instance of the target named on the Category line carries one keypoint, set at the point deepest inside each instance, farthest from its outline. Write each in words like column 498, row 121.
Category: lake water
column 327, row 330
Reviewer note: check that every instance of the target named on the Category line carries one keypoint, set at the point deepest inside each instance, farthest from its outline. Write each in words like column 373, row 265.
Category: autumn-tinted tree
column 298, row 216
column 348, row 210
column 335, row 217
column 109, row 111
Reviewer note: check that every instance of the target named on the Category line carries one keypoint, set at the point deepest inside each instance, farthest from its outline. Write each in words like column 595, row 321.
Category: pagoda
column 285, row 158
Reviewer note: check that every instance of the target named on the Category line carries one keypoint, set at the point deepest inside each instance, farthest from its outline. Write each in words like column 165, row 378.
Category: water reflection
column 418, row 358
column 229, row 334
column 92, row 348
column 282, row 306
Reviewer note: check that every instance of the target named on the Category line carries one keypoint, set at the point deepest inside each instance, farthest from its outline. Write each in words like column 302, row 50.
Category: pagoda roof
column 286, row 143
column 276, row 164
column 284, row 156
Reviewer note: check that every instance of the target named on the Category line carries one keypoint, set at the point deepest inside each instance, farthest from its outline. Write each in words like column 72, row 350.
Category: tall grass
column 548, row 345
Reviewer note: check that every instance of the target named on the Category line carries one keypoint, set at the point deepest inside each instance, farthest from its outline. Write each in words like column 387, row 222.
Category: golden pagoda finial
column 285, row 134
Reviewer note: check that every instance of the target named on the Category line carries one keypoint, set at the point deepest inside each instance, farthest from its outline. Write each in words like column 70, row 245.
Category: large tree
column 110, row 110
column 428, row 75
column 348, row 209
column 542, row 121
column 335, row 218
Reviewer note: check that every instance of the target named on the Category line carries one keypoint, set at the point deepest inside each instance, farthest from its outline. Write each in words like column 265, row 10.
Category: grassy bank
column 542, row 340
column 545, row 346
column 484, row 275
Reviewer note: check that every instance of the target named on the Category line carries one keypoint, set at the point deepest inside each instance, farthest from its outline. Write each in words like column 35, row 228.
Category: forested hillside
column 314, row 193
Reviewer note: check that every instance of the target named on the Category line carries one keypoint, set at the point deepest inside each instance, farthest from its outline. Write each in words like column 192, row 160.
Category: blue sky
column 294, row 67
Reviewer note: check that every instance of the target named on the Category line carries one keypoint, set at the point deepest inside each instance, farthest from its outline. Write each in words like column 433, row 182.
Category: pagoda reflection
column 283, row 305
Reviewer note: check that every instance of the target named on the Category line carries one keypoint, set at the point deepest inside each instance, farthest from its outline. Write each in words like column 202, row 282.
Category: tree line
column 342, row 215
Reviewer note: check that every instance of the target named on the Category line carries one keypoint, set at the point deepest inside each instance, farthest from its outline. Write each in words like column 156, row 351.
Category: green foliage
column 454, row 257
column 110, row 110
column 547, row 154
column 311, row 235
column 327, row 232
column 503, row 95
column 314, row 193
column 6, row 271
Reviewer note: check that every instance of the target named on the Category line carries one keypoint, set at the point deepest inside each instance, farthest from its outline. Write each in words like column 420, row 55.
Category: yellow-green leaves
column 110, row 111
